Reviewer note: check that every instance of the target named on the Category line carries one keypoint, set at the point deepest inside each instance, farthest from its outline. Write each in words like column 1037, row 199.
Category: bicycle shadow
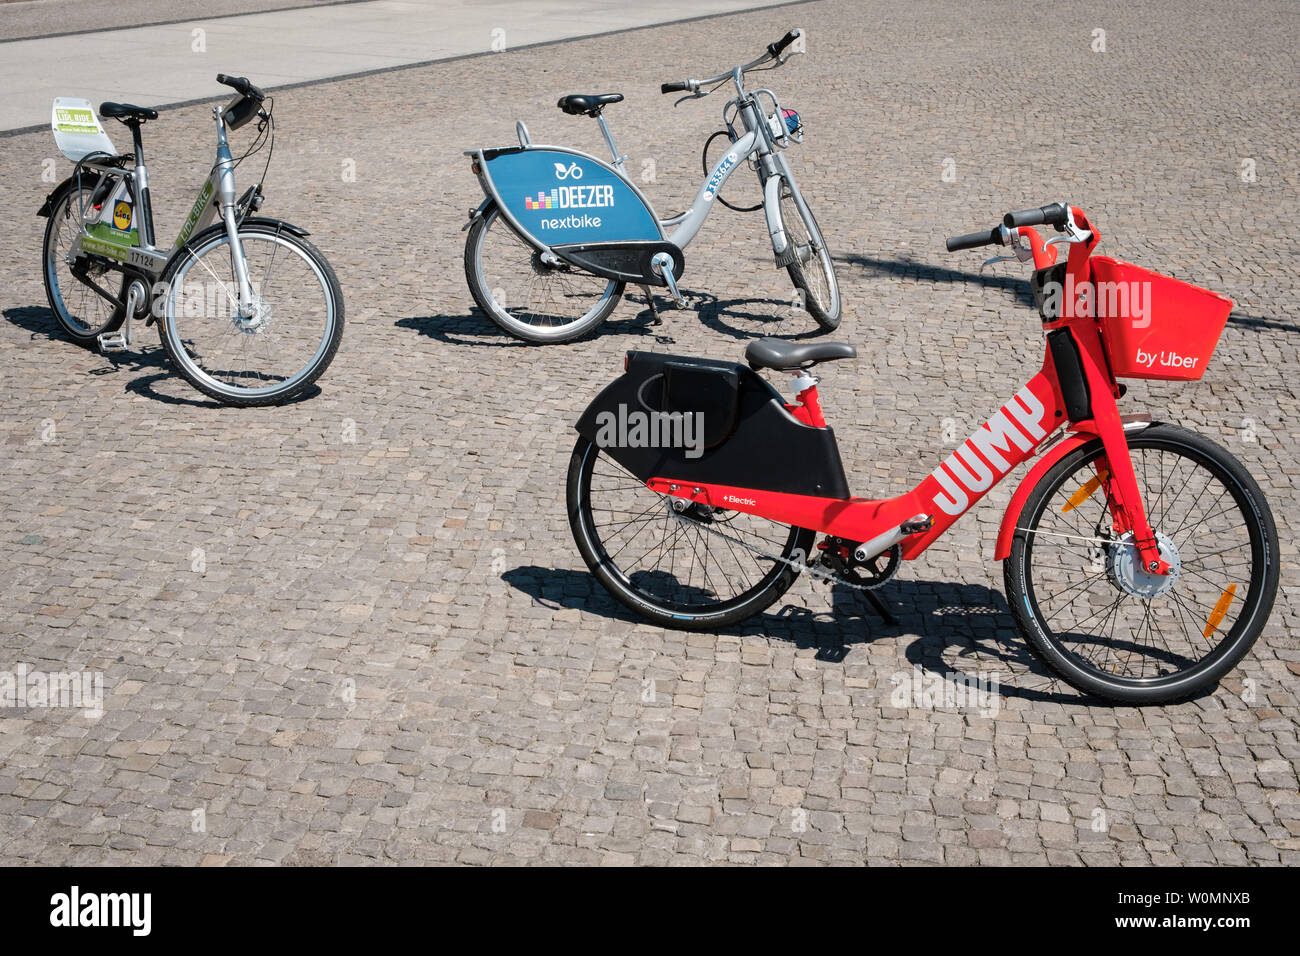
column 912, row 269
column 1255, row 323
column 145, row 386
column 961, row 631
column 925, row 272
column 720, row 315
column 475, row 328
column 40, row 322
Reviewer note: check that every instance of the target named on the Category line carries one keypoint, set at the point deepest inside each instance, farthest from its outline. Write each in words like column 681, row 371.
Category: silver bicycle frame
column 215, row 199
column 757, row 143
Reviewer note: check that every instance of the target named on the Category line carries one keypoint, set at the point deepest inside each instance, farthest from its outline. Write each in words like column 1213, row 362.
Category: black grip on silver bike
column 973, row 240
column 1054, row 215
column 675, row 88
column 777, row 48
column 241, row 84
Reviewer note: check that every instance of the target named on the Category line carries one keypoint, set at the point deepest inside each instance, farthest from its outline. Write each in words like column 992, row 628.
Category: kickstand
column 880, row 608
column 654, row 309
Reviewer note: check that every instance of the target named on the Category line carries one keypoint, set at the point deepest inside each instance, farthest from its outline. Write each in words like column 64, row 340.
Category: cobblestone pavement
column 386, row 649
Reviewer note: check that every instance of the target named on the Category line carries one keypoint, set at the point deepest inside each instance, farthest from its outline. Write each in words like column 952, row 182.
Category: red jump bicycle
column 1140, row 558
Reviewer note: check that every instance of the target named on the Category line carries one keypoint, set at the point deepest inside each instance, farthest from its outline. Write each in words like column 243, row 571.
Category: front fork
column 1128, row 513
column 226, row 203
column 773, row 171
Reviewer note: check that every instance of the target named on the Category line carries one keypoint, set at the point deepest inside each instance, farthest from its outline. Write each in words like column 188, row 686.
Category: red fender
column 1028, row 483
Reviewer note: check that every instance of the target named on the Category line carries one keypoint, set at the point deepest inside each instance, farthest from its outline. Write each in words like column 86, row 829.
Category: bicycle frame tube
column 1011, row 436
column 202, row 212
column 146, row 255
column 689, row 223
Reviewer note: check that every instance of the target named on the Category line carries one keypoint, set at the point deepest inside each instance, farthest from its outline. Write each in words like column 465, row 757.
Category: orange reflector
column 1220, row 609
column 1084, row 493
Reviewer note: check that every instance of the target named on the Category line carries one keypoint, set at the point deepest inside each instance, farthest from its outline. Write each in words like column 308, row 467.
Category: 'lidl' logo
column 122, row 215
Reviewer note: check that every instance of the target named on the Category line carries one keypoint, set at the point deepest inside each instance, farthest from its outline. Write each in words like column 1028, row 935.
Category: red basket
column 1154, row 326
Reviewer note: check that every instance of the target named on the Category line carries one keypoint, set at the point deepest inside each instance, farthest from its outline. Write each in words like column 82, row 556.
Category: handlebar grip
column 240, row 84
column 777, row 48
column 973, row 240
column 1054, row 215
column 674, row 87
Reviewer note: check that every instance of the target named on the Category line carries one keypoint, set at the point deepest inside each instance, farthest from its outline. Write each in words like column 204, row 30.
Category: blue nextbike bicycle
column 561, row 232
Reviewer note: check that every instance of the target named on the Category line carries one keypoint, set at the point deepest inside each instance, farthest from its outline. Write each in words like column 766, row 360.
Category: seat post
column 609, row 140
column 137, row 144
column 144, row 206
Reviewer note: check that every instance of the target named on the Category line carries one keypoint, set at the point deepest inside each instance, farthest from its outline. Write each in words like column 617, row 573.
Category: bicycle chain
column 799, row 567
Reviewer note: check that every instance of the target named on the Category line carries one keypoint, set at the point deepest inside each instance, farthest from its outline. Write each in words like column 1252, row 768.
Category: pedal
column 663, row 265
column 917, row 525
column 120, row 340
column 113, row 342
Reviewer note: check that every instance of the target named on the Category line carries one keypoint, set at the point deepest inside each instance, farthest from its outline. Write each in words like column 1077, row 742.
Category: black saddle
column 577, row 104
column 782, row 355
column 126, row 112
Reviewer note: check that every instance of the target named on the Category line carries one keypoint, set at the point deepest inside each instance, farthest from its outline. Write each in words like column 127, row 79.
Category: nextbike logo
column 573, row 197
column 965, row 475
column 632, row 428
column 719, row 174
column 573, row 170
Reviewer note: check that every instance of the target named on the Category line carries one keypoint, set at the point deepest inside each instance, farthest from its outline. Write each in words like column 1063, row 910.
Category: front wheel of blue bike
column 808, row 260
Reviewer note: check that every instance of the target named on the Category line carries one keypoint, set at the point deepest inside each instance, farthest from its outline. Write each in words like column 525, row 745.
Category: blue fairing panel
column 562, row 197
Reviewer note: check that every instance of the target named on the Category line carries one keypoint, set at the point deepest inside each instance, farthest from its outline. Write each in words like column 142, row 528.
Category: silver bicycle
column 248, row 310
column 560, row 232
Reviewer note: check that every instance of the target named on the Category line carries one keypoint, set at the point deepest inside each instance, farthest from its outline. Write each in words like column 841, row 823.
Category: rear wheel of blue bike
column 527, row 296
column 695, row 569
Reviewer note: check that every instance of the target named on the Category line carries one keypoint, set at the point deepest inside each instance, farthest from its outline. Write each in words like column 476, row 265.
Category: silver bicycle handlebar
column 775, row 51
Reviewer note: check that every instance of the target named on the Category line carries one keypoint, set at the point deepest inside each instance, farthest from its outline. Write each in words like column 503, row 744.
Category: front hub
column 257, row 320
column 1126, row 571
